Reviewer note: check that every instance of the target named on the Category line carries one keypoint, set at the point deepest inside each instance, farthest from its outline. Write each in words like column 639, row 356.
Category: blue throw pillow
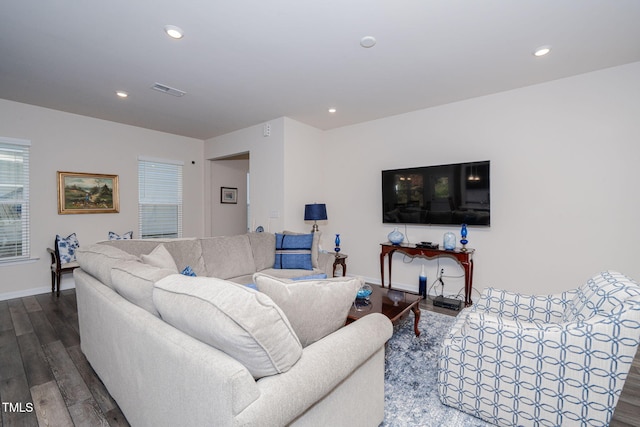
column 188, row 271
column 293, row 251
column 67, row 248
column 126, row 236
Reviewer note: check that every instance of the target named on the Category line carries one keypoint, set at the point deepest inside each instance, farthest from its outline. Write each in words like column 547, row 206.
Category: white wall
column 564, row 158
column 304, row 177
column 68, row 142
column 266, row 165
column 228, row 218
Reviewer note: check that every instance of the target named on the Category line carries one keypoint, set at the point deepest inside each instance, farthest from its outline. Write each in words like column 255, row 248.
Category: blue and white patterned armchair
column 556, row 360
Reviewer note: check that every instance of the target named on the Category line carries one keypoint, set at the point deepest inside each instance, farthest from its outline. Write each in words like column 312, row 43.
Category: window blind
column 159, row 199
column 14, row 199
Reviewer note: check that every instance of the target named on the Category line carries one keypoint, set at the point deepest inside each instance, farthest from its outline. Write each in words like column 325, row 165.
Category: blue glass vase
column 396, row 237
column 337, row 248
column 463, row 234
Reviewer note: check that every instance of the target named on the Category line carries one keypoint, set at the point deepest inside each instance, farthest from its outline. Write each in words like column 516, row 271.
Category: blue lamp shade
column 315, row 212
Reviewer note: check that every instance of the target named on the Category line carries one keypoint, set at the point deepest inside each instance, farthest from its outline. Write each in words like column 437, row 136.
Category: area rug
column 411, row 370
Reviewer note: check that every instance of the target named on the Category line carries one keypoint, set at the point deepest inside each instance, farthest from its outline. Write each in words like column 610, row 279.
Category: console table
column 463, row 257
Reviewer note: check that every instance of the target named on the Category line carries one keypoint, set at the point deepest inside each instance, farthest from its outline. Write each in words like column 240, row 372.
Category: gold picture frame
column 87, row 193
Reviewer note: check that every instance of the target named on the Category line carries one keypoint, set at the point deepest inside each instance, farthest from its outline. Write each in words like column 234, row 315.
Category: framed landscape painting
column 85, row 193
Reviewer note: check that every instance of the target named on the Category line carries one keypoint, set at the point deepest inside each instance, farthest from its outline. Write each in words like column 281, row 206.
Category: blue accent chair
column 556, row 360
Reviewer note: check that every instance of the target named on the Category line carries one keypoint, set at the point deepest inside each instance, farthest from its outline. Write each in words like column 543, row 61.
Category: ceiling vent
column 168, row 90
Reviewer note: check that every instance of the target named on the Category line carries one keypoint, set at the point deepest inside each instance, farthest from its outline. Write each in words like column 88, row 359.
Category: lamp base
column 314, row 228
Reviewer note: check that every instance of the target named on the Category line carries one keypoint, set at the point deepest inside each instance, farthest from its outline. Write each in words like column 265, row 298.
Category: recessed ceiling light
column 122, row 94
column 542, row 51
column 173, row 31
column 332, row 110
column 368, row 41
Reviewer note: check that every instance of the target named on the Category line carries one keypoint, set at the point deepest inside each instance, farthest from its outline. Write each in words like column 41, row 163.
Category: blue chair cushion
column 126, row 236
column 66, row 247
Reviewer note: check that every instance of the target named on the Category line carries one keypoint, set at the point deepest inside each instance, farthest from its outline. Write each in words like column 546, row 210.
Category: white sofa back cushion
column 239, row 321
column 134, row 281
column 315, row 308
column 234, row 250
column 98, row 260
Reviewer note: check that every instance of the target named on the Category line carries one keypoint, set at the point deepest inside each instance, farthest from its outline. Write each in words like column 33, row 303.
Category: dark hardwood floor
column 45, row 379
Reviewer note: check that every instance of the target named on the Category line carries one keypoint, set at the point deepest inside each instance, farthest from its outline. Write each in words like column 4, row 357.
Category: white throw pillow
column 239, row 321
column 161, row 258
column 315, row 308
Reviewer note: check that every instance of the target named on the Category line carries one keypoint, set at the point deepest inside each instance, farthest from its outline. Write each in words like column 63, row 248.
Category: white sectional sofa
column 207, row 351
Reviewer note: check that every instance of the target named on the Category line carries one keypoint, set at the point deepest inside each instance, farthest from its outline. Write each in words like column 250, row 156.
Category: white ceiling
column 245, row 62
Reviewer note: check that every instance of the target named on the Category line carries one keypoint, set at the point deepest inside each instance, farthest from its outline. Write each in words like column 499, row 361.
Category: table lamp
column 315, row 212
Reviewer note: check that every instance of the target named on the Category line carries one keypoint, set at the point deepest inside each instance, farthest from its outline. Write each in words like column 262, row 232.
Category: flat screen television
column 438, row 195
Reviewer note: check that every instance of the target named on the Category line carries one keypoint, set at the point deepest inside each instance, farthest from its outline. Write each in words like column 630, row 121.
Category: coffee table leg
column 416, row 317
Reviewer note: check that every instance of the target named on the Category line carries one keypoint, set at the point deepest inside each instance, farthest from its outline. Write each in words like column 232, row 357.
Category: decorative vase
column 449, row 241
column 337, row 248
column 463, row 234
column 396, row 237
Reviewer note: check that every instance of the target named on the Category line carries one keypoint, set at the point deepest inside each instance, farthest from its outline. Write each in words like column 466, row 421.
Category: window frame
column 22, row 148
column 161, row 193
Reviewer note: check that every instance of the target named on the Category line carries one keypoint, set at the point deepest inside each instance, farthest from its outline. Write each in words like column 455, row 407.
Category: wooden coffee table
column 394, row 308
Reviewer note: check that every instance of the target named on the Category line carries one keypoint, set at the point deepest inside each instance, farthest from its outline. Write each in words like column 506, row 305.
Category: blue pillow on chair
column 126, row 236
column 293, row 251
column 66, row 247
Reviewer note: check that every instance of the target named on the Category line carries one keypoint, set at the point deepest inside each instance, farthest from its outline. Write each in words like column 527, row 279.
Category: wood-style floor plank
column 97, row 388
column 87, row 413
column 49, row 405
column 35, row 363
column 19, row 317
column 72, row 386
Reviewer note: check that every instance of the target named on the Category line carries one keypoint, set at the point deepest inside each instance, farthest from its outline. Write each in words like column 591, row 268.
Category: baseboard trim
column 33, row 291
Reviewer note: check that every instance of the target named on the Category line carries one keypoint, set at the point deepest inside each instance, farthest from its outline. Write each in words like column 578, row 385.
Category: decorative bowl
column 362, row 304
column 364, row 292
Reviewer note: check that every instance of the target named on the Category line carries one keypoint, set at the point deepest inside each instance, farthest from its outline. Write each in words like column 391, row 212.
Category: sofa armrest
column 323, row 366
column 325, row 262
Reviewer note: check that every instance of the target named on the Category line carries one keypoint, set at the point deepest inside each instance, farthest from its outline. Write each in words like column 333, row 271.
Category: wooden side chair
column 63, row 259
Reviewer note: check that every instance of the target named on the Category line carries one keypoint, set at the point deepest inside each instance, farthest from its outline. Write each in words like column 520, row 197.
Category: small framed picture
column 228, row 195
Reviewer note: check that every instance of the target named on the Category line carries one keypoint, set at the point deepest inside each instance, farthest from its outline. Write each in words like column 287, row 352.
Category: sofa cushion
column 161, row 258
column 315, row 308
column 245, row 324
column 602, row 294
column 290, row 273
column 134, row 281
column 228, row 256
column 187, row 252
column 263, row 247
column 293, row 251
column 137, row 247
column 98, row 259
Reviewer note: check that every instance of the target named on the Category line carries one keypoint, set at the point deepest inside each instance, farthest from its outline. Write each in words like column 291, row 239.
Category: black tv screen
column 446, row 194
